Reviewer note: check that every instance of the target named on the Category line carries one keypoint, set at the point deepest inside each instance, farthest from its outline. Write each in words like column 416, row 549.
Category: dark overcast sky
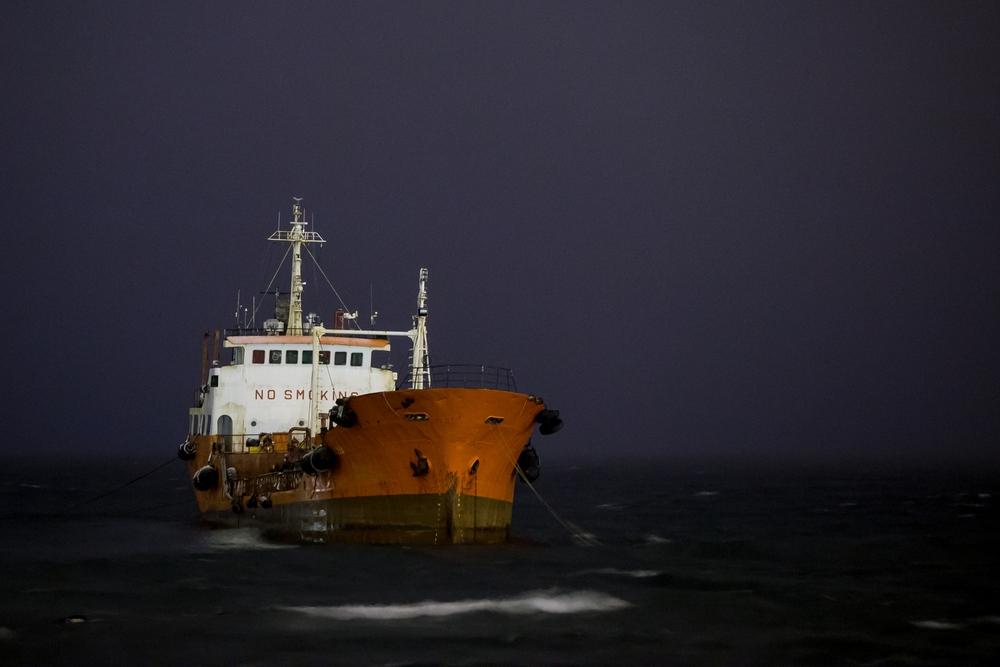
column 737, row 228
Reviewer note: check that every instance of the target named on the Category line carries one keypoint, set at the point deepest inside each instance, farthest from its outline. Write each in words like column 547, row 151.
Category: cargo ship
column 308, row 433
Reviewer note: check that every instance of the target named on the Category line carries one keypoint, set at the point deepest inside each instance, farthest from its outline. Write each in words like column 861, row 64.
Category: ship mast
column 420, row 375
column 296, row 236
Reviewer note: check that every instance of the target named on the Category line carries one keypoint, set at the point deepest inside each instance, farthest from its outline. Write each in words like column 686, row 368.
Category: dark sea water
column 699, row 563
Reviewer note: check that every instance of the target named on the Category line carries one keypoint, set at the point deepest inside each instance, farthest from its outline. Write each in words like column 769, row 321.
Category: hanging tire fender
column 546, row 415
column 187, row 451
column 551, row 426
column 528, row 462
column 206, row 479
column 343, row 416
column 322, row 458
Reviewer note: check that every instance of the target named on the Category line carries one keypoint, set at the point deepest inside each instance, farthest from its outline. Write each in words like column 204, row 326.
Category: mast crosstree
column 296, row 236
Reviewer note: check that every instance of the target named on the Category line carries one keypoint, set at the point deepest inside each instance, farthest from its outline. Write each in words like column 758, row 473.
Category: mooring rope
column 580, row 535
column 117, row 489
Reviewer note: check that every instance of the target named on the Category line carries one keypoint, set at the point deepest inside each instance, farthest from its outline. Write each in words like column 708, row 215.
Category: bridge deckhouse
column 270, row 385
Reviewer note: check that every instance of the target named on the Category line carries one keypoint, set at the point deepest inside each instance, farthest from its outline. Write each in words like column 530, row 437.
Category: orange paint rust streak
column 305, row 340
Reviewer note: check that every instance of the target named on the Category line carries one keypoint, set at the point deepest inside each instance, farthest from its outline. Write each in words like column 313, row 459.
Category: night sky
column 726, row 228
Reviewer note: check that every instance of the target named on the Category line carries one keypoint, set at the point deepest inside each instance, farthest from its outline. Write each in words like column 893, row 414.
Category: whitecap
column 240, row 538
column 706, row 494
column 936, row 625
column 637, row 574
column 544, row 602
column 988, row 619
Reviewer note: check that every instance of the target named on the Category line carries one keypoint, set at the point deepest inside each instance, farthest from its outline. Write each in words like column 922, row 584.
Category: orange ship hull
column 429, row 466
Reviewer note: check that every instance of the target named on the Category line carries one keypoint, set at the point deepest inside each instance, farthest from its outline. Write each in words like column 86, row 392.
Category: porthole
column 253, row 423
column 301, row 423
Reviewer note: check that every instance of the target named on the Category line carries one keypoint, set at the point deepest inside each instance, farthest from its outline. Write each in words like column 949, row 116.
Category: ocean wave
column 988, row 619
column 544, row 602
column 637, row 574
column 936, row 625
column 240, row 539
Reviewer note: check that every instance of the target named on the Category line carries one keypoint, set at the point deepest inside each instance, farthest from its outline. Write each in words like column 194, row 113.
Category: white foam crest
column 988, row 619
column 240, row 538
column 637, row 574
column 936, row 625
column 546, row 602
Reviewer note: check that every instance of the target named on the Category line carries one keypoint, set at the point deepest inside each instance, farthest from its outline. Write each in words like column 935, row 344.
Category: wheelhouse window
column 339, row 358
column 238, row 356
column 275, row 357
column 258, row 356
column 307, row 356
column 291, row 356
column 324, row 357
column 357, row 358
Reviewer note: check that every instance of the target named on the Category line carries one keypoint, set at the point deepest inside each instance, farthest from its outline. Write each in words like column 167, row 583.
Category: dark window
column 215, row 381
column 357, row 358
column 339, row 358
column 324, row 357
column 258, row 356
column 275, row 357
column 291, row 356
column 307, row 356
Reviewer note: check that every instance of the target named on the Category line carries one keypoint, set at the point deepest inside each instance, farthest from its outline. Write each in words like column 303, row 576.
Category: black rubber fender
column 306, row 464
column 186, row 451
column 322, row 458
column 343, row 416
column 528, row 462
column 206, row 478
column 546, row 416
column 551, row 426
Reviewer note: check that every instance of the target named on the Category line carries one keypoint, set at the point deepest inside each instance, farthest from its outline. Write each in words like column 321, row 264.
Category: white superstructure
column 269, row 385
